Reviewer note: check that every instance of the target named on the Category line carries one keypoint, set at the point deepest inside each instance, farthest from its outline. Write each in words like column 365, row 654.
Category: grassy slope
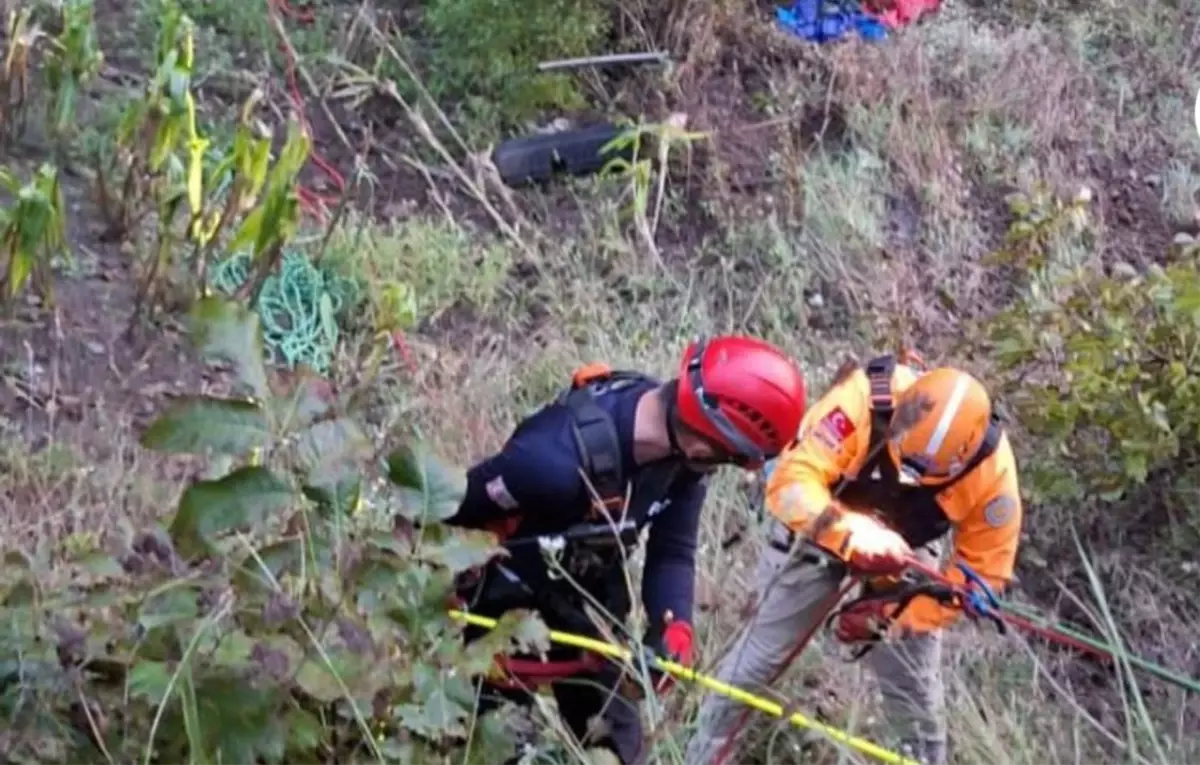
column 830, row 247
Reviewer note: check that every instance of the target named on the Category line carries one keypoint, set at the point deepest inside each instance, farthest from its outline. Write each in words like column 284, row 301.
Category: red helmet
column 743, row 394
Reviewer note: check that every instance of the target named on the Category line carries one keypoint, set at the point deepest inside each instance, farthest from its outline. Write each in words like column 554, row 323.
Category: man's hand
column 676, row 645
column 677, row 642
column 873, row 548
column 867, row 620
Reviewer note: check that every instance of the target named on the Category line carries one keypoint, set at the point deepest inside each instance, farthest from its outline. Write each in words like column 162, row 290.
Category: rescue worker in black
column 615, row 453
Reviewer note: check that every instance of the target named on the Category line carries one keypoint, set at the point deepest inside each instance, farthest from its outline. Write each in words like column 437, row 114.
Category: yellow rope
column 712, row 684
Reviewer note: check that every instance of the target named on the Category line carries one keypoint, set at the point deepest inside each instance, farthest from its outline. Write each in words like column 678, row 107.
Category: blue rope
column 299, row 307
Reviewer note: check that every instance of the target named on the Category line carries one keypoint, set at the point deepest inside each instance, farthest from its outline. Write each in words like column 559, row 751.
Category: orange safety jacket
column 839, row 463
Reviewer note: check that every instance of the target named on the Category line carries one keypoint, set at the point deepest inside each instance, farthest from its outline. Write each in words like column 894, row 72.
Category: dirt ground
column 83, row 353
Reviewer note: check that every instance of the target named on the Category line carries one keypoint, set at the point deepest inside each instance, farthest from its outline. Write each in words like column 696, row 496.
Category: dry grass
column 842, row 246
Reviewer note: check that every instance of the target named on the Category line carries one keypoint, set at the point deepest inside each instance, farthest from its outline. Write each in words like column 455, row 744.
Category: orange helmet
column 939, row 424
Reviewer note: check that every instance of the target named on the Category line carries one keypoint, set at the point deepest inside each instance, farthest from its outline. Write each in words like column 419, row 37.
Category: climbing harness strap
column 594, row 431
column 913, row 511
column 599, row 446
column 915, row 584
column 591, row 551
column 879, row 378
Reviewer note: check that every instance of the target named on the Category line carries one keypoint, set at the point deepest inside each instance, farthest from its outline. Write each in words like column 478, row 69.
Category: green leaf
column 517, row 630
column 493, row 735
column 20, row 266
column 248, row 233
column 444, row 703
column 318, row 680
column 200, row 424
column 1136, row 466
column 177, row 604
column 279, row 558
column 526, row 629
column 331, row 452
column 245, row 497
column 459, row 549
column 230, row 649
column 101, row 565
column 311, row 399
column 434, row 718
column 305, row 732
column 149, row 680
column 229, row 330
column 430, row 489
column 239, row 720
column 337, row 499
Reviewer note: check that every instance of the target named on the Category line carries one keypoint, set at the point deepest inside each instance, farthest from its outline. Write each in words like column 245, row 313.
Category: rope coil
column 299, row 307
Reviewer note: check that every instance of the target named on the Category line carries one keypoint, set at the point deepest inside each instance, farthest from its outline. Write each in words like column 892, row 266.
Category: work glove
column 676, row 644
column 872, row 548
column 864, row 621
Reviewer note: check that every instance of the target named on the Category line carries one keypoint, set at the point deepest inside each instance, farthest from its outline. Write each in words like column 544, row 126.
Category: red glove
column 865, row 621
column 677, row 643
column 873, row 548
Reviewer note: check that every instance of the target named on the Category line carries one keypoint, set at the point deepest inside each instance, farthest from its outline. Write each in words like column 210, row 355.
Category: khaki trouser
column 793, row 592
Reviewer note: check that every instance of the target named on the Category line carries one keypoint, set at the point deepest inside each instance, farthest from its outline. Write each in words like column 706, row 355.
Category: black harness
column 593, row 550
column 599, row 448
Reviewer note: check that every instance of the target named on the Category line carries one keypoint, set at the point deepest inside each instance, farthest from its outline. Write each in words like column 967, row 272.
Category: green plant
column 414, row 270
column 276, row 617
column 649, row 147
column 144, row 167
column 1043, row 224
column 72, row 60
column 486, row 52
column 161, row 162
column 21, row 35
column 32, row 230
column 1103, row 371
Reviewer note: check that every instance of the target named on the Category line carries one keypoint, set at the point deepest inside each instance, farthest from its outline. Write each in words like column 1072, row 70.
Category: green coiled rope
column 299, row 307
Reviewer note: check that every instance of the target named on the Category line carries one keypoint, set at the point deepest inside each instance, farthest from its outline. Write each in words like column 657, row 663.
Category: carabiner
column 981, row 597
column 552, row 549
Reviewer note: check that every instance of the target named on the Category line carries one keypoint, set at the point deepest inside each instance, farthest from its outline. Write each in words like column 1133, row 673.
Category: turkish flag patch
column 836, row 425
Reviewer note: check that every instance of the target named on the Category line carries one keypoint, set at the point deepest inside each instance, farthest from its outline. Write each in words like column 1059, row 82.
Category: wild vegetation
column 214, row 554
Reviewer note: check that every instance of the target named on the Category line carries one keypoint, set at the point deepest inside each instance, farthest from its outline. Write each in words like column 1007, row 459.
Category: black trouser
column 580, row 697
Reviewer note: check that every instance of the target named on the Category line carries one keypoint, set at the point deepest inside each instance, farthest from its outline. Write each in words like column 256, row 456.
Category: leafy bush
column 486, row 52
column 1100, row 365
column 276, row 618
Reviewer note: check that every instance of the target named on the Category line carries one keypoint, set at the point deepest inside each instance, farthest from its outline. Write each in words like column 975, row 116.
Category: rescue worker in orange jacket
column 886, row 463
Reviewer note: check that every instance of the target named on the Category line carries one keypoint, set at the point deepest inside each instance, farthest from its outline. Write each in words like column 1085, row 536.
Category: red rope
column 310, row 201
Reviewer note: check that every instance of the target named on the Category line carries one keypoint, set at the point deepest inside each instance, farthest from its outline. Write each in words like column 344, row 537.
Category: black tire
column 537, row 158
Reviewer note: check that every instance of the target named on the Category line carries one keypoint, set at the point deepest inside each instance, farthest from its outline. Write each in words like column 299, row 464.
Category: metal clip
column 980, row 597
column 553, row 549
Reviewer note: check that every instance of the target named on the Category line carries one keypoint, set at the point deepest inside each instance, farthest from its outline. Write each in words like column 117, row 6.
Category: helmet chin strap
column 670, row 391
